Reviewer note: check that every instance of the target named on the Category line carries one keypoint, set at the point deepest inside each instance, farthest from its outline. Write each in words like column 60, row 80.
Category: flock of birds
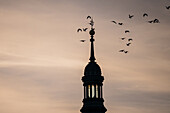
column 85, row 29
column 121, row 24
column 127, row 31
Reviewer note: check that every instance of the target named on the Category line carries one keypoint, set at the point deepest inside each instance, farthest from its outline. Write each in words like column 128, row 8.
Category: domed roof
column 92, row 69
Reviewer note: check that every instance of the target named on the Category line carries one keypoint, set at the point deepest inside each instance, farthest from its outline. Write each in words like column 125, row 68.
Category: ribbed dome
column 92, row 69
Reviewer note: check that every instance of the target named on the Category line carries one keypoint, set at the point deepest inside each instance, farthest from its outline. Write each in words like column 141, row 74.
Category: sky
column 42, row 59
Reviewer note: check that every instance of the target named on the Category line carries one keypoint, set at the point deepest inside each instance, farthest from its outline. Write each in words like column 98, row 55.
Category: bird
column 145, row 14
column 122, row 50
column 78, row 30
column 127, row 31
column 130, row 16
column 82, row 40
column 91, row 23
column 114, row 22
column 122, row 38
column 130, row 39
column 128, row 44
column 151, row 21
column 125, row 51
column 120, row 23
column 156, row 21
column 85, row 29
column 167, row 7
column 88, row 17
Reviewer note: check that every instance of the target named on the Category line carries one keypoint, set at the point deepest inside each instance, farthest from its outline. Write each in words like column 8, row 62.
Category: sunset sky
column 42, row 59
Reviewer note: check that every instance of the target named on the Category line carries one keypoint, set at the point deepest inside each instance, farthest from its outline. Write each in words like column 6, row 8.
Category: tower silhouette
column 93, row 82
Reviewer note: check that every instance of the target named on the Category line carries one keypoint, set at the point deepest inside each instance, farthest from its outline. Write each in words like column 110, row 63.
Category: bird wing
column 126, row 51
column 79, row 30
column 129, row 16
column 127, row 31
column 121, row 50
column 114, row 22
column 129, row 39
column 82, row 40
column 84, row 29
column 88, row 17
column 145, row 14
column 167, row 7
column 150, row 21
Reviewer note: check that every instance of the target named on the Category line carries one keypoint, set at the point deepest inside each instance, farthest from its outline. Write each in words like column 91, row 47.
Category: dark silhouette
column 144, row 15
column 128, row 44
column 123, row 38
column 88, row 17
column 85, row 29
column 156, row 21
column 92, row 83
column 120, row 23
column 114, row 22
column 122, row 50
column 78, row 30
column 130, row 39
column 167, row 7
column 127, row 31
column 151, row 21
column 130, row 16
column 82, row 40
column 125, row 51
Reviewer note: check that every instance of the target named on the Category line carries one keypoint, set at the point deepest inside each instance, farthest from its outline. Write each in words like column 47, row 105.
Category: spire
column 92, row 32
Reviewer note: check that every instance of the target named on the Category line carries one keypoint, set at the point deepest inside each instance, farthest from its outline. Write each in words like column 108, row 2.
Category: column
column 99, row 91
column 87, row 89
column 90, row 91
column 84, row 91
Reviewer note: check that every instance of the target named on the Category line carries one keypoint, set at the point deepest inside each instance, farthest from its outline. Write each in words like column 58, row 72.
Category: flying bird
column 128, row 44
column 130, row 16
column 125, row 51
column 127, row 31
column 168, row 7
column 85, row 29
column 156, row 21
column 120, row 23
column 122, row 50
column 91, row 24
column 88, row 17
column 130, row 39
column 122, row 38
column 78, row 30
column 145, row 14
column 114, row 22
column 151, row 21
column 82, row 40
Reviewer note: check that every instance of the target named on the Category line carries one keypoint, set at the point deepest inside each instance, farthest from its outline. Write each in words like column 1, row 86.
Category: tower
column 93, row 82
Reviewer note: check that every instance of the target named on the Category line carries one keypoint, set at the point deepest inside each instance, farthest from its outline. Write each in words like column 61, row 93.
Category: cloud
column 42, row 60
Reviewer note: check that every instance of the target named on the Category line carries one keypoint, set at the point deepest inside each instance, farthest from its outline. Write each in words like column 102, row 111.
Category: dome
column 92, row 69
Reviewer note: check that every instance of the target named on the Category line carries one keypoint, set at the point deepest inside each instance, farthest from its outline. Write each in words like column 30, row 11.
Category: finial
column 91, row 23
column 92, row 32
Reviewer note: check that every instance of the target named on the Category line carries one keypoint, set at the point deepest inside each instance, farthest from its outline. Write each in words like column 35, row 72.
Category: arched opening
column 93, row 91
column 88, row 91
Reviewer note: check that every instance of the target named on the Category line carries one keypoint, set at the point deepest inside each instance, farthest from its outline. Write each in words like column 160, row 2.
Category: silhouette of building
column 93, row 82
